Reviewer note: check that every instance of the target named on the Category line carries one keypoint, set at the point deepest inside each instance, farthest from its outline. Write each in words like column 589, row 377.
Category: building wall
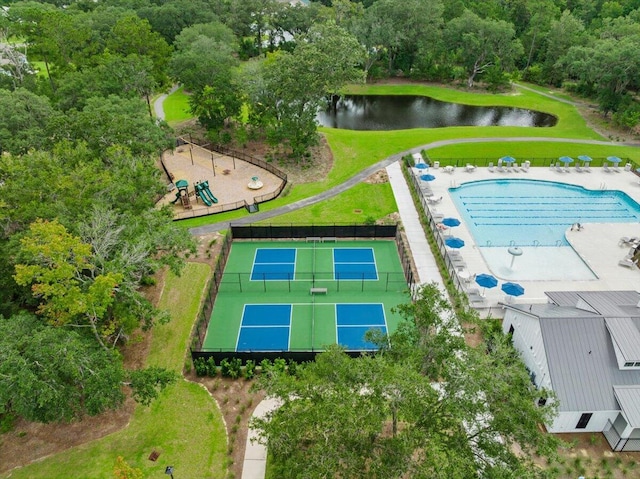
column 527, row 338
column 566, row 421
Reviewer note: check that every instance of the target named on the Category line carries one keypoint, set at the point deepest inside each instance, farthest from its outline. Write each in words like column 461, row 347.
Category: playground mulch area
column 229, row 184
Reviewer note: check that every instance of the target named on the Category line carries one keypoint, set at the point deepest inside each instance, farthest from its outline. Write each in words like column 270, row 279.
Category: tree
column 134, row 36
column 58, row 267
column 481, row 43
column 399, row 27
column 205, row 56
column 122, row 470
column 27, row 121
column 114, row 120
column 52, row 374
column 427, row 407
column 55, row 374
column 294, row 85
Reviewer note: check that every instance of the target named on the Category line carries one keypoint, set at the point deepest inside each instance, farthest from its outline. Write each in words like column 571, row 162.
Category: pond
column 401, row 112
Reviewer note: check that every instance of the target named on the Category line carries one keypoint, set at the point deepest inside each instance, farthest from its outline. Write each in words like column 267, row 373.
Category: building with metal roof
column 585, row 346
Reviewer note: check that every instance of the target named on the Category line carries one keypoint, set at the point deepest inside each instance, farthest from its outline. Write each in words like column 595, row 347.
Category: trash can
column 627, row 167
column 436, row 164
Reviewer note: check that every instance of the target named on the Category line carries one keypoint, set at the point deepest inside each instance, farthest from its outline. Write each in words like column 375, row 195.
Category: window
column 584, row 420
column 628, row 364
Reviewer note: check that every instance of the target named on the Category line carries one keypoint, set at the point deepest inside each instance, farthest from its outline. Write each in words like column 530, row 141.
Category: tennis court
column 304, row 296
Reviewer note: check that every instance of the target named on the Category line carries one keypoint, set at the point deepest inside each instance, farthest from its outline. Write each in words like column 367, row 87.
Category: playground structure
column 227, row 171
column 183, row 194
column 204, row 193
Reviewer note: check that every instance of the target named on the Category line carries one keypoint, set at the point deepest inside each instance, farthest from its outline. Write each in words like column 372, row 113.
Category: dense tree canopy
column 429, row 407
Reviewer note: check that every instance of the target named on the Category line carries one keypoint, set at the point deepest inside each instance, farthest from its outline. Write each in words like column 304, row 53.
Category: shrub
column 250, row 369
column 265, row 365
column 231, row 368
column 212, row 370
column 293, row 367
column 200, row 365
column 280, row 365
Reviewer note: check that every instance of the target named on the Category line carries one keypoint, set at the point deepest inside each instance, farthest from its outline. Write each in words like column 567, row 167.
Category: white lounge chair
column 470, row 168
column 605, row 168
column 586, row 168
column 499, row 167
column 616, row 168
column 628, row 263
column 525, row 166
column 578, row 169
column 490, row 167
column 433, row 200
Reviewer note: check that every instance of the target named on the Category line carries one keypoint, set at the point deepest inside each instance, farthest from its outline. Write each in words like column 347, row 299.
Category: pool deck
column 597, row 243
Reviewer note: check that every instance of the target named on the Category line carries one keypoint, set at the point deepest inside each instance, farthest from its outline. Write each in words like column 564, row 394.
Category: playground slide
column 207, row 192
column 177, row 198
column 203, row 196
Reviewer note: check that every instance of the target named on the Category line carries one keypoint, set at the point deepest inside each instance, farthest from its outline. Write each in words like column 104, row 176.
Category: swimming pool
column 534, row 216
column 517, row 212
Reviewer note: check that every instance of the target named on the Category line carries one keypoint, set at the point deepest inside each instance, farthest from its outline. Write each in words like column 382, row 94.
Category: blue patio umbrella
column 486, row 281
column 508, row 159
column 512, row 289
column 566, row 160
column 427, row 177
column 454, row 242
column 451, row 222
column 614, row 159
column 422, row 166
column 585, row 158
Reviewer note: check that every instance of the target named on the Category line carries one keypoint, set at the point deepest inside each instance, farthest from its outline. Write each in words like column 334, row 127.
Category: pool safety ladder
column 603, row 186
column 558, row 242
column 488, row 242
column 536, row 243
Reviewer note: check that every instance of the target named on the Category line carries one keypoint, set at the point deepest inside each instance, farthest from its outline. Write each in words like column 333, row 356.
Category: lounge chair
column 628, row 263
column 499, row 167
column 559, row 167
column 490, row 167
column 432, row 200
column 578, row 169
column 470, row 168
column 616, row 168
column 605, row 168
column 525, row 166
column 586, row 168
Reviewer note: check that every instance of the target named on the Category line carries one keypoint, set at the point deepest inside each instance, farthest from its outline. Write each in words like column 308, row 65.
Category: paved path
column 354, row 180
column 158, row 105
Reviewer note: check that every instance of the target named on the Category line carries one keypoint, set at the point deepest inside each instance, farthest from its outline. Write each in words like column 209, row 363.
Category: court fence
column 397, row 281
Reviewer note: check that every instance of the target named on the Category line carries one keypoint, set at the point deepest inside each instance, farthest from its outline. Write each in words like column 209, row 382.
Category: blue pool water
column 536, row 213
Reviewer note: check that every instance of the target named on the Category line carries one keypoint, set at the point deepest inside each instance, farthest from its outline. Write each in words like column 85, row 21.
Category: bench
column 313, row 239
column 318, row 291
column 329, row 239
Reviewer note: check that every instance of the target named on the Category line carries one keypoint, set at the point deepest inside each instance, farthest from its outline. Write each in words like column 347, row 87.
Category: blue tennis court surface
column 354, row 320
column 274, row 264
column 354, row 264
column 265, row 327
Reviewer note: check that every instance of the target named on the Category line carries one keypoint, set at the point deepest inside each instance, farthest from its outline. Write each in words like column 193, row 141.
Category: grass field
column 176, row 107
column 356, row 150
column 184, row 424
column 315, row 321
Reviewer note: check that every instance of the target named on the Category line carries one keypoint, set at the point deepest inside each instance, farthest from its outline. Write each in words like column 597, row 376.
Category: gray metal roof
column 629, row 399
column 579, row 349
column 626, row 336
column 582, row 364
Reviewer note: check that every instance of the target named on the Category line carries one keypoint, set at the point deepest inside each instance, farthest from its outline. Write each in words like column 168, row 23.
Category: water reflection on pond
column 400, row 112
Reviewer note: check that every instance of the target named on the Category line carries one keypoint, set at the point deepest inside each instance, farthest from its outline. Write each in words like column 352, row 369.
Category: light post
column 169, row 471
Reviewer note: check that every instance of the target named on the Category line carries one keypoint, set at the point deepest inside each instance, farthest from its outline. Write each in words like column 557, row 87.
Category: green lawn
column 354, row 151
column 176, row 107
column 347, row 207
column 184, row 424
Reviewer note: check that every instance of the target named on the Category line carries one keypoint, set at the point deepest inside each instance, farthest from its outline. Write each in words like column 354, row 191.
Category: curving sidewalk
column 158, row 105
column 354, row 180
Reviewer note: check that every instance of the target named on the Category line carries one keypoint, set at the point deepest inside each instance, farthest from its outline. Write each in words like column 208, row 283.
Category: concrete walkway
column 255, row 456
column 158, row 105
column 354, row 180
column 423, row 258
